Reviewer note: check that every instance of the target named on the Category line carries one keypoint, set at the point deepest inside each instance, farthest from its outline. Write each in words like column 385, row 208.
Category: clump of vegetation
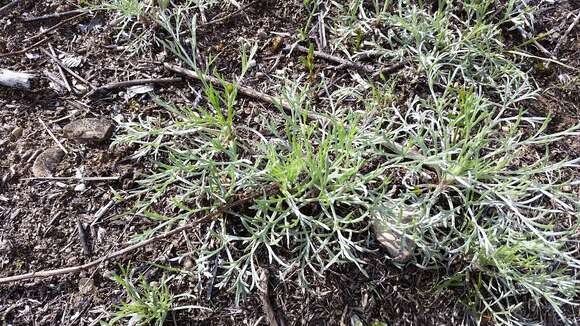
column 479, row 190
column 147, row 303
column 136, row 20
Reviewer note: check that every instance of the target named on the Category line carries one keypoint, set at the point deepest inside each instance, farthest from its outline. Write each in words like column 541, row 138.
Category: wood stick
column 15, row 79
column 264, row 292
column 226, row 17
column 343, row 62
column 235, row 13
column 84, row 238
column 8, row 6
column 54, row 15
column 87, row 179
column 62, row 75
column 54, row 27
column 26, row 49
column 73, row 269
column 129, row 83
column 67, row 69
column 565, row 36
column 53, row 136
column 246, row 91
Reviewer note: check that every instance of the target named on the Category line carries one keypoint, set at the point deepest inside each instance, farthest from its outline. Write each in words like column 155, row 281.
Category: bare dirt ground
column 39, row 219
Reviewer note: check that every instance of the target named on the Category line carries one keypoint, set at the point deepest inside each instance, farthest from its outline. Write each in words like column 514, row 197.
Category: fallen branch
column 84, row 238
column 565, row 36
column 265, row 298
column 54, row 27
column 26, row 49
column 52, row 16
column 246, row 91
column 60, row 71
column 534, row 41
column 52, row 136
column 235, row 13
column 15, row 79
column 218, row 20
column 126, row 250
column 343, row 62
column 9, row 6
column 84, row 179
column 129, row 83
column 67, row 69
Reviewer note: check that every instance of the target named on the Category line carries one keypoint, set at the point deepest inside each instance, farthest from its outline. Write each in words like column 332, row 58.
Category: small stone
column 108, row 274
column 16, row 133
column 187, row 263
column 567, row 188
column 80, row 187
column 86, row 285
column 46, row 163
column 88, row 130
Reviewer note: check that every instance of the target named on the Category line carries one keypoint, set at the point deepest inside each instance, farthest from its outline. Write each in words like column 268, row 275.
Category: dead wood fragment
column 235, row 13
column 565, row 36
column 52, row 16
column 343, row 63
column 14, row 79
column 265, row 298
column 53, row 136
column 84, row 179
column 84, row 238
column 246, row 91
column 54, row 27
column 67, row 69
column 129, row 83
column 273, row 188
column 26, row 49
column 8, row 6
column 62, row 75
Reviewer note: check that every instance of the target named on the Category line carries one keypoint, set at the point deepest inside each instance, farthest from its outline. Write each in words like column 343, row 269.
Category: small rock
column 398, row 246
column 80, row 187
column 88, row 130
column 86, row 285
column 16, row 133
column 187, row 263
column 46, row 163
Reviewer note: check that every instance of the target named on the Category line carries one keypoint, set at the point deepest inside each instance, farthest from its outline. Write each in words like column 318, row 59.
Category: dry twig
column 235, row 13
column 246, row 91
column 343, row 62
column 129, row 83
column 63, row 66
column 565, row 36
column 84, row 179
column 54, row 27
column 8, row 6
column 53, row 136
column 26, row 49
column 51, row 16
column 62, row 75
column 84, row 238
column 73, row 269
column 265, row 298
